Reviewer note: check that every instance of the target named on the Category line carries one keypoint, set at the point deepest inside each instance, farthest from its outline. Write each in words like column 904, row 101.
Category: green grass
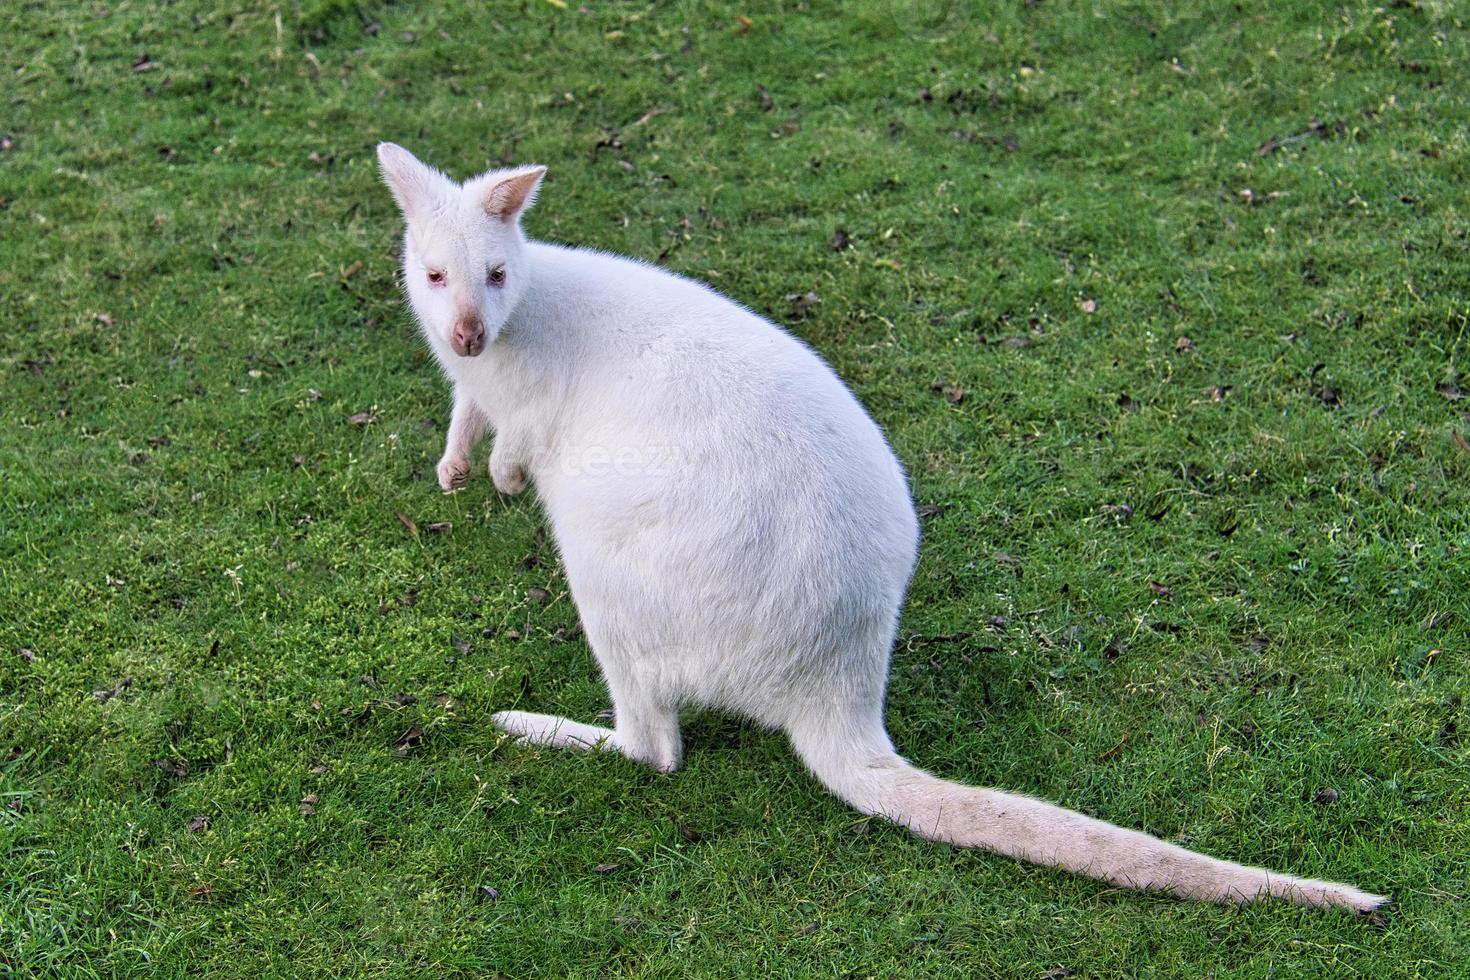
column 186, row 508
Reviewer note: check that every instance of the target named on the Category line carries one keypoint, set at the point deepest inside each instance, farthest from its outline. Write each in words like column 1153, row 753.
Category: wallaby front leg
column 467, row 425
column 508, row 463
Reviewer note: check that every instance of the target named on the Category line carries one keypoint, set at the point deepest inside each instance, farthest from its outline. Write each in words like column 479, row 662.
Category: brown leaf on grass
column 1120, row 509
column 1160, row 589
column 103, row 319
column 1448, row 391
column 1183, row 345
column 352, row 270
column 439, row 527
column 178, row 768
column 307, row 806
column 315, row 766
column 197, row 823
column 692, row 836
column 610, row 141
column 1057, row 973
column 763, row 98
column 407, row 522
column 802, row 303
column 1324, row 796
column 1459, row 441
column 362, row 418
column 650, row 114
column 30, row 655
column 106, row 694
column 1315, row 127
column 405, row 742
column 954, row 394
column 1088, row 306
column 603, row 869
column 743, row 24
column 537, row 594
column 144, row 63
column 931, row 510
column 1109, row 753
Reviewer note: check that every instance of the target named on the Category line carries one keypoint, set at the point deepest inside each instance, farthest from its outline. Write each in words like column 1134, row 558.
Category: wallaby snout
column 468, row 338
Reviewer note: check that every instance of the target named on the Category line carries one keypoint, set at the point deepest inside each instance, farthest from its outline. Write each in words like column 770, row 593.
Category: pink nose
column 468, row 338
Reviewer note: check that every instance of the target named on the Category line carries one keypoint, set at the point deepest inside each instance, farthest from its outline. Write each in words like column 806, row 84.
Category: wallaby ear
column 413, row 184
column 513, row 193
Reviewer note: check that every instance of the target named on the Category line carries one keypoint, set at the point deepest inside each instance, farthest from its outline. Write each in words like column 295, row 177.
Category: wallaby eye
column 496, row 276
column 436, row 278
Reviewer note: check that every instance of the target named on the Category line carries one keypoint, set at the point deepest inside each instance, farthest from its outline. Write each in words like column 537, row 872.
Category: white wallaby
column 736, row 531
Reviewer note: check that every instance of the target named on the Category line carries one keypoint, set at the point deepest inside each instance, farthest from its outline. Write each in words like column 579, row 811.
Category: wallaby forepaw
column 454, row 471
column 509, row 480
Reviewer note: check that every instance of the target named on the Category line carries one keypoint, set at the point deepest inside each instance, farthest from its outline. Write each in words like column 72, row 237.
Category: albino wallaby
column 736, row 531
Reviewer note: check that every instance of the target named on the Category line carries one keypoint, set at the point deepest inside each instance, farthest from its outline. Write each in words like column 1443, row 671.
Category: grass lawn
column 1165, row 307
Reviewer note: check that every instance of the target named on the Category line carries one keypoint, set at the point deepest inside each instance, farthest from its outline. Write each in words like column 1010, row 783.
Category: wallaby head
column 463, row 253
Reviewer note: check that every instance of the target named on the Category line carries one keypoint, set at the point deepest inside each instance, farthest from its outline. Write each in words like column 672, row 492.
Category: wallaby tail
column 860, row 766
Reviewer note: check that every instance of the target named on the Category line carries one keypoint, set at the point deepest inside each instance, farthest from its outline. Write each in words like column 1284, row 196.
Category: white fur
column 736, row 532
